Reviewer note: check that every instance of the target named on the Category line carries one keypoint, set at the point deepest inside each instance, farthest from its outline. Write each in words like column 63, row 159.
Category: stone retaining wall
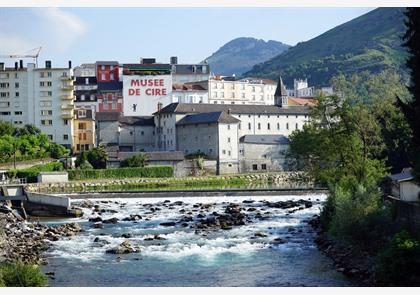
column 290, row 179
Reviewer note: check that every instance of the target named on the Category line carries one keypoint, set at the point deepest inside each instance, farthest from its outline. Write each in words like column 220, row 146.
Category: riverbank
column 27, row 241
column 260, row 180
column 347, row 259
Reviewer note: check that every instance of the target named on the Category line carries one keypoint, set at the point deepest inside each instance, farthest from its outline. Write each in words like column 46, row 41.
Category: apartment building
column 84, row 130
column 228, row 90
column 86, row 88
column 109, row 91
column 43, row 97
column 183, row 73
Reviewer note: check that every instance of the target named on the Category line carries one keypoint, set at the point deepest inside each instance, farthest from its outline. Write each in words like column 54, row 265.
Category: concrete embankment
column 195, row 193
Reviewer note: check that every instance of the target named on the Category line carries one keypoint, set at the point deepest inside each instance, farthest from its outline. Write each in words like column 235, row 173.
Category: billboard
column 141, row 94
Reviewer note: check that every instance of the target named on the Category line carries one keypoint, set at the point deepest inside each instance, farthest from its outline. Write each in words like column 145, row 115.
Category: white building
column 228, row 90
column 39, row 96
column 190, row 93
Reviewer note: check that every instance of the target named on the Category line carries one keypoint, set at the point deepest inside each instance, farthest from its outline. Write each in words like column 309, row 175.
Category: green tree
column 411, row 108
column 139, row 160
column 28, row 129
column 97, row 157
column 6, row 128
column 57, row 150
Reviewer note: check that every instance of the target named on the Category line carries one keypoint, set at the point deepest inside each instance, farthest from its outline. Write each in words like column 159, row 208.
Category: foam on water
column 181, row 242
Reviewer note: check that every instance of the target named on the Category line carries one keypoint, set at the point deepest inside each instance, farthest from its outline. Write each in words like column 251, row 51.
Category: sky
column 85, row 35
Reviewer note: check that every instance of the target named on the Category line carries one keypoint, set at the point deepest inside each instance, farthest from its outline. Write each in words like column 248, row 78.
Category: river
column 275, row 247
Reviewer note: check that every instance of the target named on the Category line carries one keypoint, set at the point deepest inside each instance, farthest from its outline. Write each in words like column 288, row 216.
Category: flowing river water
column 275, row 247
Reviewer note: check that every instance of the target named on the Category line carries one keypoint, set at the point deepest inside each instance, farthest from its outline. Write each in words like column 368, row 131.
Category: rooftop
column 203, row 118
column 186, row 108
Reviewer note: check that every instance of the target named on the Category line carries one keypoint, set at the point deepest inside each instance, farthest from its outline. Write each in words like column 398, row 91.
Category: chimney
column 174, row 60
column 159, row 106
column 16, row 66
column 69, row 64
column 21, row 64
column 48, row 64
column 148, row 61
column 1, row 66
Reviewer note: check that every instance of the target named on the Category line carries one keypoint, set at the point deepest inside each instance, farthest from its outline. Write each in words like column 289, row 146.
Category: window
column 222, row 95
column 259, row 126
column 49, row 74
column 239, row 126
column 4, row 94
column 278, row 126
column 263, row 166
column 254, row 167
column 17, row 94
column 287, row 126
column 92, row 97
column 81, row 113
column 253, row 90
column 103, row 68
column 224, row 152
column 249, row 126
column 228, row 139
column 228, row 127
column 46, row 122
column 297, row 126
column 229, row 153
column 82, row 126
column 50, row 137
column 82, row 97
column 111, row 67
column 268, row 126
column 142, row 132
column 49, row 83
column 111, row 76
column 66, row 122
column 102, row 76
column 18, row 113
column 87, row 81
column 65, row 137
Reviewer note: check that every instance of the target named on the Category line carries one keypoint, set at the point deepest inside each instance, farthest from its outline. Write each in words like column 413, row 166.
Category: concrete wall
column 409, row 191
column 107, row 132
column 198, row 138
column 44, row 199
column 52, row 177
column 137, row 138
column 270, row 155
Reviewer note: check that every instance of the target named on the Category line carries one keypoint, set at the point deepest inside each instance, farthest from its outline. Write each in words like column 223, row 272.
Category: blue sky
column 125, row 34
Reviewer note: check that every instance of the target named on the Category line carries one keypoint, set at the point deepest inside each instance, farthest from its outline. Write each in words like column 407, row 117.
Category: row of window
column 268, row 126
column 7, row 85
column 243, row 95
column 254, row 88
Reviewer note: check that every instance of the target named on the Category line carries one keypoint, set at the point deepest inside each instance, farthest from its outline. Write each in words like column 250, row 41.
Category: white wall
column 409, row 191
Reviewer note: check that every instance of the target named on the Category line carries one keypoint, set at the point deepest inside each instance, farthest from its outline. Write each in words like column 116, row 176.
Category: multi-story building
column 190, row 92
column 84, row 130
column 109, row 93
column 43, row 97
column 86, row 88
column 228, row 90
column 183, row 73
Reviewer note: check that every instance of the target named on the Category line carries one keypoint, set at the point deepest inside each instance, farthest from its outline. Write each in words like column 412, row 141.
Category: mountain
column 371, row 42
column 241, row 54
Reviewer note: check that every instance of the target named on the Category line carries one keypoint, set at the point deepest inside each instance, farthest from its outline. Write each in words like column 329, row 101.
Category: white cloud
column 54, row 29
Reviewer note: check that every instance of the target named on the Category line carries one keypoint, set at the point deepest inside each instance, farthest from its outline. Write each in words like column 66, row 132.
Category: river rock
column 111, row 220
column 95, row 219
column 168, row 223
column 124, row 248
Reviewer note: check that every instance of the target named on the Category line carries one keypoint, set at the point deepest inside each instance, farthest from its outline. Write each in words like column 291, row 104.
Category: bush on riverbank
column 18, row 274
column 31, row 174
column 399, row 263
column 118, row 173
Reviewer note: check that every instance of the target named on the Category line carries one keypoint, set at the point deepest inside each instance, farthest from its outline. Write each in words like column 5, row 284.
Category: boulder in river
column 168, row 223
column 124, row 248
column 111, row 220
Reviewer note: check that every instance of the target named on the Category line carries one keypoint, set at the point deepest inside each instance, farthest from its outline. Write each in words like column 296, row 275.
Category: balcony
column 68, row 106
column 66, row 78
column 67, row 97
column 67, row 114
column 68, row 87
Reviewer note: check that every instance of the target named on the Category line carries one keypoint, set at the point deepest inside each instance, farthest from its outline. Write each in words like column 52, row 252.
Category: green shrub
column 399, row 263
column 139, row 160
column 20, row 275
column 150, row 171
column 31, row 174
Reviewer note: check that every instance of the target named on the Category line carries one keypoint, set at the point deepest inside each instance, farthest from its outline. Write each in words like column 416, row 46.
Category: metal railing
column 13, row 181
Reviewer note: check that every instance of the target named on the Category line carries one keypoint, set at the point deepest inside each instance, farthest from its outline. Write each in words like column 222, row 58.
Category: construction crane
column 25, row 55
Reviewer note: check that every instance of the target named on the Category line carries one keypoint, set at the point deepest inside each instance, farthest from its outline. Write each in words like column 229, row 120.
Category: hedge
column 149, row 171
column 31, row 174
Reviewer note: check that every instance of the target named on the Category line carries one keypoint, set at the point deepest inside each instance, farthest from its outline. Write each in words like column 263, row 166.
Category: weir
column 35, row 204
